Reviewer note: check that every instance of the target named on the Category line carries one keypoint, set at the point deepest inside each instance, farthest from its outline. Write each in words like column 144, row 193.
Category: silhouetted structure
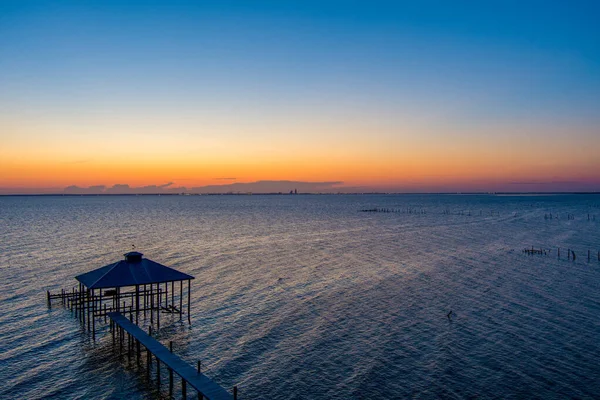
column 138, row 287
column 135, row 285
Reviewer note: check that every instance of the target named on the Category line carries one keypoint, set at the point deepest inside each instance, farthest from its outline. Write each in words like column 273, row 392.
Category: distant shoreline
column 302, row 194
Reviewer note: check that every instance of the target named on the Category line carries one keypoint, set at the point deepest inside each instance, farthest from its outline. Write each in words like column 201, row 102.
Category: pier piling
column 158, row 372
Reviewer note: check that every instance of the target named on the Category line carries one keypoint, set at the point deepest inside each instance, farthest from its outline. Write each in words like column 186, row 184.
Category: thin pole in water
column 148, row 361
column 170, row 372
column 180, row 299
column 157, row 372
column 137, row 303
column 93, row 317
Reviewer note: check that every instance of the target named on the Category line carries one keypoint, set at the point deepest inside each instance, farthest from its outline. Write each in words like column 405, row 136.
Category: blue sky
column 451, row 71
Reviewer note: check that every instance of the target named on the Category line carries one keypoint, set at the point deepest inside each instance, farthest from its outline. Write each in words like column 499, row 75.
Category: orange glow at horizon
column 401, row 155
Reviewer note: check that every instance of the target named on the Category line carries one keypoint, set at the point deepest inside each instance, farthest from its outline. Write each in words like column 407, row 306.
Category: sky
column 427, row 96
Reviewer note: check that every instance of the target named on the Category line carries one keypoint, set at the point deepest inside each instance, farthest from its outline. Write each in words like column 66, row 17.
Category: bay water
column 307, row 297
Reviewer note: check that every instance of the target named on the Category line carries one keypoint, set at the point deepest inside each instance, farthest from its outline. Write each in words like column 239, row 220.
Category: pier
column 139, row 288
column 136, row 338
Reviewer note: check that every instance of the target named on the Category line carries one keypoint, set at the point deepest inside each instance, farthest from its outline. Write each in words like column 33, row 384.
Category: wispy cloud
column 544, row 182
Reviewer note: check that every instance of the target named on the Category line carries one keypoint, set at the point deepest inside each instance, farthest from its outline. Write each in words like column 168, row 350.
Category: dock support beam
column 137, row 303
column 170, row 373
column 148, row 364
column 158, row 372
column 180, row 299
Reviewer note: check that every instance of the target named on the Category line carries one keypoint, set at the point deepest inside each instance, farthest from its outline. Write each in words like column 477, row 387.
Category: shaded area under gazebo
column 134, row 286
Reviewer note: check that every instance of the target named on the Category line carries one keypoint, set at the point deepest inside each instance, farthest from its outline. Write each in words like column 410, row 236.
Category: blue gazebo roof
column 133, row 270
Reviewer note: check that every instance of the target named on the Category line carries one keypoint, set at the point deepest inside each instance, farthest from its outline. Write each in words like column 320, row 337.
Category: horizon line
column 286, row 194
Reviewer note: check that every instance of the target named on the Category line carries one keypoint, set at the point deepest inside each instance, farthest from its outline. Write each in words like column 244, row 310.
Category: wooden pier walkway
column 189, row 375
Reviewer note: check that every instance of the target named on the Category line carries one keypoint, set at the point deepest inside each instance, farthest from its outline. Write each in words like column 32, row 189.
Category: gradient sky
column 403, row 96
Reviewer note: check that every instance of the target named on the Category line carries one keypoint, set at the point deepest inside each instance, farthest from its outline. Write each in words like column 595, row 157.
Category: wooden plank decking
column 198, row 381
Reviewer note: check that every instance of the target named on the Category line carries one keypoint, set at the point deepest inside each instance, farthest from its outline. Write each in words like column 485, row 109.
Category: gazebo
column 133, row 286
column 126, row 289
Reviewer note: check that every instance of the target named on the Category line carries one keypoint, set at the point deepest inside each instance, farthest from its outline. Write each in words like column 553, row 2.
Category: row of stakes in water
column 395, row 210
column 570, row 253
column 420, row 211
column 570, row 217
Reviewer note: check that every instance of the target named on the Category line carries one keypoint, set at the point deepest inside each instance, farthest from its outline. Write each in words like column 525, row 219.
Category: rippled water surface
column 305, row 297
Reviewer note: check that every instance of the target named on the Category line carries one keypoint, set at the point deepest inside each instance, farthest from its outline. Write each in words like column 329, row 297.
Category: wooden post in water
column 183, row 388
column 93, row 317
column 151, row 306
column 118, row 299
column 83, row 307
column 235, row 392
column 139, row 352
column 145, row 301
column 200, row 395
column 79, row 303
column 137, row 303
column 167, row 295
column 148, row 364
column 158, row 372
column 88, row 308
column 120, row 342
column 170, row 373
column 189, row 300
column 129, row 347
column 180, row 300
column 48, row 297
column 158, row 306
